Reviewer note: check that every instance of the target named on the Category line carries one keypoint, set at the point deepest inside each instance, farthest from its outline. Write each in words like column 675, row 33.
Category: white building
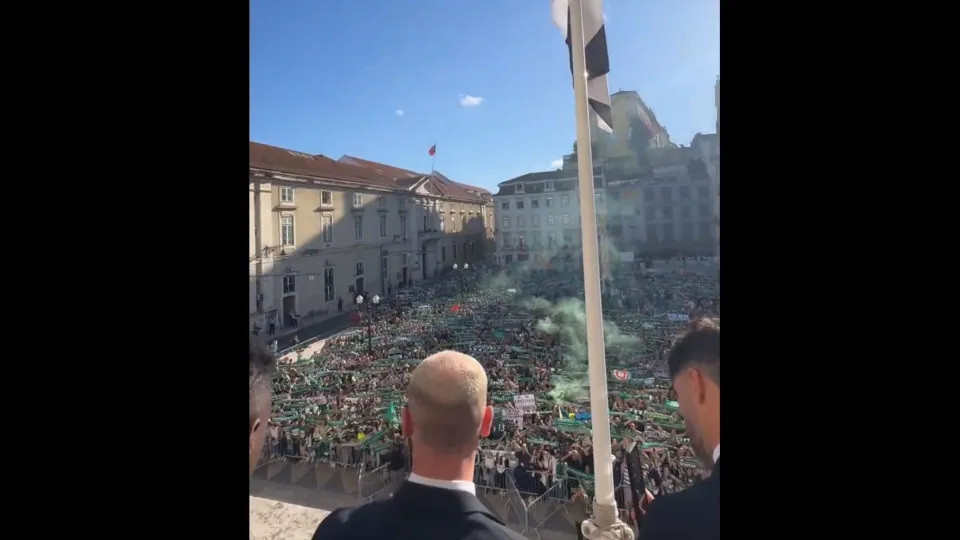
column 537, row 216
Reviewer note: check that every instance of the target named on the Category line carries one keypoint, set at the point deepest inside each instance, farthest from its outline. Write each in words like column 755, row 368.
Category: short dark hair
column 262, row 367
column 700, row 346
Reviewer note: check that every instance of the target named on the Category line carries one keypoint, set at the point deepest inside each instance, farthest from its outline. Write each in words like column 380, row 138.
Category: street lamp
column 460, row 275
column 374, row 301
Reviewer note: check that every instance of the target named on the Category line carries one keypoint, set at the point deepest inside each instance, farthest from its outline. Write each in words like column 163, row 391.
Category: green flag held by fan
column 391, row 415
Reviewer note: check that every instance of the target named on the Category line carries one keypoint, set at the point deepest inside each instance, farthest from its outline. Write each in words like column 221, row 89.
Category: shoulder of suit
column 675, row 508
column 344, row 518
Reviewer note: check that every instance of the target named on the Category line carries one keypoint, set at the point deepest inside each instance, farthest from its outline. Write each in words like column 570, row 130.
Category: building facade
column 323, row 231
column 537, row 216
column 670, row 209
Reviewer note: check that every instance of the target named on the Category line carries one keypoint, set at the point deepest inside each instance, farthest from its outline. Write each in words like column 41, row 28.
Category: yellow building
column 324, row 230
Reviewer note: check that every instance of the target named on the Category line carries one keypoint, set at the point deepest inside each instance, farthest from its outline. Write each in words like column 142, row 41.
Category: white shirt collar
column 456, row 485
column 716, row 454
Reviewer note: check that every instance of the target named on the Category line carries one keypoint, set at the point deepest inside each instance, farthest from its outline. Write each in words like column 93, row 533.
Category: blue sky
column 385, row 79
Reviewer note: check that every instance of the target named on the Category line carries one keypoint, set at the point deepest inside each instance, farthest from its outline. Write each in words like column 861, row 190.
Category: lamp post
column 373, row 301
column 460, row 275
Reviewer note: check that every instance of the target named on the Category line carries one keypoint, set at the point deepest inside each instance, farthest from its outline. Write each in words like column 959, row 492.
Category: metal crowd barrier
column 529, row 502
column 375, row 482
column 344, row 455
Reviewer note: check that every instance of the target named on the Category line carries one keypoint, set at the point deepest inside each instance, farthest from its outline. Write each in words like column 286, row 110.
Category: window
column 651, row 213
column 507, row 239
column 286, row 231
column 506, row 223
column 383, row 226
column 686, row 232
column 328, row 293
column 597, row 199
column 535, row 221
column 439, row 205
column 358, row 269
column 357, row 200
column 704, row 210
column 358, row 227
column 505, row 205
column 666, row 193
column 520, row 222
column 384, row 274
column 706, row 231
column 565, row 219
column 286, row 195
column 686, row 213
column 381, row 201
column 522, row 240
column 326, row 198
column 441, row 224
column 668, row 235
column 551, row 239
column 564, row 201
column 463, row 223
column 703, row 192
column 454, row 252
column 519, row 205
column 649, row 194
column 567, row 239
column 443, row 254
column 426, row 223
column 549, row 202
column 403, row 203
column 652, row 233
column 289, row 284
column 326, row 228
column 536, row 235
column 668, row 212
column 684, row 192
column 403, row 226
column 519, row 188
column 549, row 184
column 551, row 219
column 535, row 203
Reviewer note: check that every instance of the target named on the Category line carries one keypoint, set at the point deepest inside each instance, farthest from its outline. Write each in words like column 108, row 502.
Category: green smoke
column 566, row 321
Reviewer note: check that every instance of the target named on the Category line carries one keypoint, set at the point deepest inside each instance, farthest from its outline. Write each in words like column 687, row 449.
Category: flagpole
column 596, row 367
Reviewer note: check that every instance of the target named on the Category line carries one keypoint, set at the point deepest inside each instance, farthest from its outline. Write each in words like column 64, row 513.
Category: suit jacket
column 416, row 512
column 692, row 514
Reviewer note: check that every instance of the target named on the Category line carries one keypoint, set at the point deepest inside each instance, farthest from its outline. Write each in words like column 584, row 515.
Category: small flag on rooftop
column 433, row 149
column 595, row 52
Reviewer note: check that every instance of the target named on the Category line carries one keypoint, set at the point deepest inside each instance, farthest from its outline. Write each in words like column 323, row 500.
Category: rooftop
column 359, row 171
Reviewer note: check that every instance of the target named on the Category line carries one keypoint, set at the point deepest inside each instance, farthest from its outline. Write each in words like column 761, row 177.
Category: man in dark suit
column 262, row 367
column 445, row 416
column 694, row 513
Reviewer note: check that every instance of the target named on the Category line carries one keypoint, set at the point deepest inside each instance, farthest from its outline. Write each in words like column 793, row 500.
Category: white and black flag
column 595, row 53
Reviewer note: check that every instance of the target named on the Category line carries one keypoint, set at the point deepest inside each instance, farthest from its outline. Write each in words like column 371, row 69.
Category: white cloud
column 399, row 112
column 466, row 100
column 556, row 164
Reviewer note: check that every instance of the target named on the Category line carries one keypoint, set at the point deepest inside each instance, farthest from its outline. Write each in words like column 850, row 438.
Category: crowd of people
column 338, row 402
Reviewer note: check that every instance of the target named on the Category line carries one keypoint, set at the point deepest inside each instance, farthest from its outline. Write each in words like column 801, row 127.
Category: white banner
column 678, row 317
column 526, row 403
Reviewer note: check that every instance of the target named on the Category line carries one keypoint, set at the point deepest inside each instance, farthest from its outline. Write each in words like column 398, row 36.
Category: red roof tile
column 273, row 158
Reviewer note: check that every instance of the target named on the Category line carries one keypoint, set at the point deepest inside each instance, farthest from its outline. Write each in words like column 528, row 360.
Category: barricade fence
column 530, row 497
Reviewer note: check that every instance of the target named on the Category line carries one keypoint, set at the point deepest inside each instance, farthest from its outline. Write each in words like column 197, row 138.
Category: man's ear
column 487, row 421
column 406, row 424
column 253, row 429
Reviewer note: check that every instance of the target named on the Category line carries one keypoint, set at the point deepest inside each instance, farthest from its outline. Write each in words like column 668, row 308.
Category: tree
column 574, row 147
